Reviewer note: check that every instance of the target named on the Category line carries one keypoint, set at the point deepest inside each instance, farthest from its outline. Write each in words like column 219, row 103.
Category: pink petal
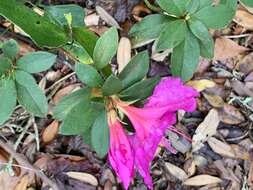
column 121, row 156
column 171, row 93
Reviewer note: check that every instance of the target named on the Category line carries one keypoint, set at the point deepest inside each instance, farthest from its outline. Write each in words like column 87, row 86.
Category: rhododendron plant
column 150, row 124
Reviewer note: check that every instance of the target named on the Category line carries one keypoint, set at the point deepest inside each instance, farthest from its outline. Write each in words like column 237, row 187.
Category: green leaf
column 174, row 7
column 193, row 6
column 172, row 35
column 205, row 3
column 58, row 12
column 5, row 65
column 135, row 70
column 36, row 62
column 185, row 57
column 207, row 47
column 215, row 16
column 144, row 31
column 30, row 95
column 79, row 53
column 42, row 31
column 230, row 3
column 100, row 134
column 112, row 86
column 248, row 3
column 80, row 118
column 106, row 48
column 85, row 38
column 88, row 75
column 10, row 49
column 140, row 90
column 8, row 95
column 205, row 40
column 67, row 103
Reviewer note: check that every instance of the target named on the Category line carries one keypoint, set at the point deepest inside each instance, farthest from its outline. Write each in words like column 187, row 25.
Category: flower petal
column 121, row 156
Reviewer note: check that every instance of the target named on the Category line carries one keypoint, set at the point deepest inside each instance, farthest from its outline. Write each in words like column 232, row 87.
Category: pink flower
column 120, row 154
column 151, row 122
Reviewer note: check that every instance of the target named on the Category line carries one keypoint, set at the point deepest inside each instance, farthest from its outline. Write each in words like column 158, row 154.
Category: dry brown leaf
column 244, row 19
column 205, row 130
column 221, row 148
column 65, row 91
column 91, row 20
column 201, row 85
column 230, row 115
column 176, row 171
column 225, row 48
column 241, row 89
column 245, row 65
column 23, row 183
column 200, row 180
column 107, row 17
column 50, row 132
column 85, row 177
column 214, row 100
column 123, row 53
column 240, row 152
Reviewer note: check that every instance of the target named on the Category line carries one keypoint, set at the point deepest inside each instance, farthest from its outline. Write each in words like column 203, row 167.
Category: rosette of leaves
column 16, row 82
column 183, row 25
column 84, row 111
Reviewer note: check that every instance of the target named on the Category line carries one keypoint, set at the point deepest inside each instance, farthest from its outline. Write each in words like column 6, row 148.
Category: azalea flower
column 120, row 154
column 151, row 121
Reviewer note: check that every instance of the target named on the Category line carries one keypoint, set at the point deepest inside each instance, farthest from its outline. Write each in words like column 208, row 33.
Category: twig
column 22, row 161
column 238, row 36
column 59, row 81
column 36, row 133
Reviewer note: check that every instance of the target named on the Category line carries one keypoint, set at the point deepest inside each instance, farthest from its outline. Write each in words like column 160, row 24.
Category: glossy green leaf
column 135, row 70
column 230, row 3
column 112, row 86
column 106, row 48
column 43, row 32
column 248, row 3
column 205, row 3
column 172, row 35
column 8, row 95
column 79, row 53
column 67, row 103
column 193, row 6
column 5, row 65
column 85, row 38
column 10, row 49
column 144, row 31
column 30, row 95
column 88, row 75
column 58, row 12
column 36, row 62
column 80, row 118
column 100, row 134
column 174, row 7
column 185, row 57
column 215, row 16
column 207, row 47
column 140, row 90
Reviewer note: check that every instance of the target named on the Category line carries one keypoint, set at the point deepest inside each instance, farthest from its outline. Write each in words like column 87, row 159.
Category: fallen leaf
column 221, row 148
column 107, row 17
column 225, row 48
column 214, row 100
column 123, row 53
column 205, row 130
column 65, row 91
column 245, row 65
column 201, row 85
column 241, row 89
column 23, row 183
column 84, row 177
column 230, row 115
column 50, row 132
column 200, row 180
column 244, row 18
column 91, row 20
column 176, row 171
